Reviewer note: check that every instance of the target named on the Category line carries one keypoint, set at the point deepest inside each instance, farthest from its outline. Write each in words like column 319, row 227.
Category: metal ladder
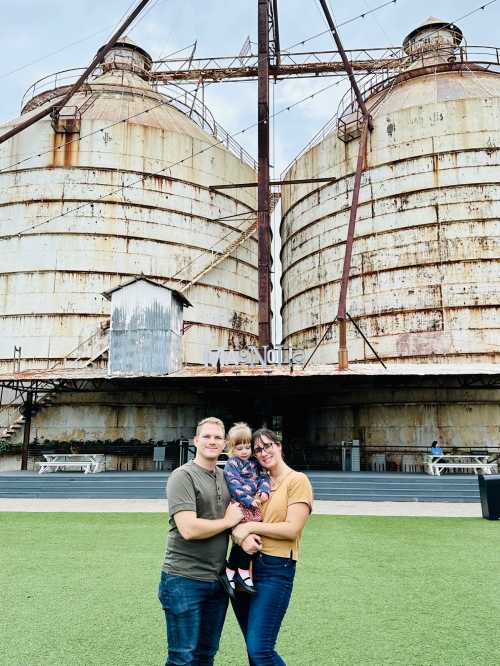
column 82, row 356
column 245, row 235
column 97, row 345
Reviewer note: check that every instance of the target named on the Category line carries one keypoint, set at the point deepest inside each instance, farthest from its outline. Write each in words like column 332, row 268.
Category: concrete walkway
column 433, row 509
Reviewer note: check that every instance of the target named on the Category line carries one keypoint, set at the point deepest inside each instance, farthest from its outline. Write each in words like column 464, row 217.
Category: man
column 194, row 602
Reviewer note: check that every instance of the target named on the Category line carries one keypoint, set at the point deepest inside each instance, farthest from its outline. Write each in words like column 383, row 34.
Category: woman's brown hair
column 270, row 434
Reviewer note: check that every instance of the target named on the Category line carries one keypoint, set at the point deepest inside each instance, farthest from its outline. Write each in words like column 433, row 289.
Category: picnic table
column 89, row 463
column 480, row 463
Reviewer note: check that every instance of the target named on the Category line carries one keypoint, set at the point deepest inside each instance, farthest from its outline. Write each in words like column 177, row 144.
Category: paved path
column 434, row 509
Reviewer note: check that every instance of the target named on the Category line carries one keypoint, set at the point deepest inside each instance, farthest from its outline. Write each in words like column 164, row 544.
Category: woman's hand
column 252, row 544
column 241, row 531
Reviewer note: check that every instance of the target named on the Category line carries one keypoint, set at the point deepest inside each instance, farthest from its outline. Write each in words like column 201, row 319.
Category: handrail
column 191, row 106
column 100, row 333
column 487, row 57
column 183, row 100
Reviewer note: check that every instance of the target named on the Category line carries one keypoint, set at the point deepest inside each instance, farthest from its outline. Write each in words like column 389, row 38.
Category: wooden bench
column 89, row 463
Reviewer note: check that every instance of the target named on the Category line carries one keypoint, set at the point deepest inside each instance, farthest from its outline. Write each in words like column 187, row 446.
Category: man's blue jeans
column 195, row 611
column 260, row 615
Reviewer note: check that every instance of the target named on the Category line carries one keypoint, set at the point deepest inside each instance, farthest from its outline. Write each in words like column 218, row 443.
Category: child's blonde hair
column 240, row 433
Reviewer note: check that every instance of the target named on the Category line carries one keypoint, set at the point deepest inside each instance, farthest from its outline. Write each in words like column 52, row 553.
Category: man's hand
column 252, row 544
column 233, row 515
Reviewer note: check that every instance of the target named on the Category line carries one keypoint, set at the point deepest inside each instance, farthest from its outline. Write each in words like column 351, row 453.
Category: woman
column 284, row 515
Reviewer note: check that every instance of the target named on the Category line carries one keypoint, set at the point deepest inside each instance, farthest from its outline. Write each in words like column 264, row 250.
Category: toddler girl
column 248, row 485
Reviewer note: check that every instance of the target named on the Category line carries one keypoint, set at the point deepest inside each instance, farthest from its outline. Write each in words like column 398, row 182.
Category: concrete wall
column 408, row 417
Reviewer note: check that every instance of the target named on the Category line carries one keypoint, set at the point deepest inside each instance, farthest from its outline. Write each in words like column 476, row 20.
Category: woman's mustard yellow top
column 295, row 488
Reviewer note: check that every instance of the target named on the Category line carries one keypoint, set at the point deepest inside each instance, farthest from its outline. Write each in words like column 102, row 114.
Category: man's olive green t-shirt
column 193, row 488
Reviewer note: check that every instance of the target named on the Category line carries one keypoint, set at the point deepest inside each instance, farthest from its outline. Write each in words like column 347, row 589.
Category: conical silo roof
column 432, row 22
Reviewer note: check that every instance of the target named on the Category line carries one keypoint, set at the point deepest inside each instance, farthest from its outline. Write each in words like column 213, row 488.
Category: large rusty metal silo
column 425, row 272
column 116, row 187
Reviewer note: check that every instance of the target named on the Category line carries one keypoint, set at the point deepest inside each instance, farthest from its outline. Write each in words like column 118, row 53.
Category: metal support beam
column 294, row 181
column 347, row 64
column 99, row 57
column 27, row 413
column 276, row 33
column 300, row 64
column 341, row 313
column 263, row 216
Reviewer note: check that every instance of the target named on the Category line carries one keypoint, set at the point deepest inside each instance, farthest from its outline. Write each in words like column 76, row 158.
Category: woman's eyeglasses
column 265, row 447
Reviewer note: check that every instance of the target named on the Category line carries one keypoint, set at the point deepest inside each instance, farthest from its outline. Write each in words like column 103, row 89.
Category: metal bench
column 479, row 463
column 88, row 463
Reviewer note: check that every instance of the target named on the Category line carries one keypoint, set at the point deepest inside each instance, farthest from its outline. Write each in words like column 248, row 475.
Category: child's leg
column 244, row 577
column 234, row 559
column 241, row 559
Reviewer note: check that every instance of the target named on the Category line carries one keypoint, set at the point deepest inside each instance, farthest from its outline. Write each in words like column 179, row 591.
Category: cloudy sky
column 40, row 37
column 43, row 36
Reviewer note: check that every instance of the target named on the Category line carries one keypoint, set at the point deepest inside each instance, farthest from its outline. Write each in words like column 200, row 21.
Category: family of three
column 264, row 504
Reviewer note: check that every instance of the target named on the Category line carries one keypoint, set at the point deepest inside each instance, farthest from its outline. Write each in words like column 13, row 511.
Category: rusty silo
column 425, row 273
column 118, row 187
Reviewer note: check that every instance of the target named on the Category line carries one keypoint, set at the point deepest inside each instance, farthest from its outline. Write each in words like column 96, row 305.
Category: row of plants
column 81, row 445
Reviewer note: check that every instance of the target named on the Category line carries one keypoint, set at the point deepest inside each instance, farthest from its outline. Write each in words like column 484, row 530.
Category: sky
column 40, row 37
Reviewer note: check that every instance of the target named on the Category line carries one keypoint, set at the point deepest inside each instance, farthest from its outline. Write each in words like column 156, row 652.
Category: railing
column 242, row 64
column 373, row 458
column 190, row 105
column 51, row 82
column 183, row 100
column 85, row 351
column 382, row 78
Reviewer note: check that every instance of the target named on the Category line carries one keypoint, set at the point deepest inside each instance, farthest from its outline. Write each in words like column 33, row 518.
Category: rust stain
column 71, row 150
column 65, row 147
column 435, row 163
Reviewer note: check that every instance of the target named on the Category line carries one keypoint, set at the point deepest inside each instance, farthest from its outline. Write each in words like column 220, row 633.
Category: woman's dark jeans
column 260, row 615
column 195, row 611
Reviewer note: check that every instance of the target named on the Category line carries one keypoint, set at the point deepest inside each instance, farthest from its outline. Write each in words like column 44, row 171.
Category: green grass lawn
column 80, row 589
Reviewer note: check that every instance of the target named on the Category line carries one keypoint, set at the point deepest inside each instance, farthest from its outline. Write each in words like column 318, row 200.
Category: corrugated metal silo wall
column 425, row 274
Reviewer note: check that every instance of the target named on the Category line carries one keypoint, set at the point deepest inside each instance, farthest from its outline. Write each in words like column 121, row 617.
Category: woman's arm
column 287, row 530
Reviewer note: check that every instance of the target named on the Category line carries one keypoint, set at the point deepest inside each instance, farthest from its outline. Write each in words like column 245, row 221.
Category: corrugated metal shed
column 146, row 328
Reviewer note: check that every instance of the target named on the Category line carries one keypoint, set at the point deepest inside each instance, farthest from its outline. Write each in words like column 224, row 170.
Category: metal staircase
column 84, row 355
column 96, row 346
column 245, row 235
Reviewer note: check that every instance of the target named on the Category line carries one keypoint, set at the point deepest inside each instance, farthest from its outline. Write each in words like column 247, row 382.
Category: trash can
column 346, row 456
column 489, row 491
column 350, row 456
column 159, row 457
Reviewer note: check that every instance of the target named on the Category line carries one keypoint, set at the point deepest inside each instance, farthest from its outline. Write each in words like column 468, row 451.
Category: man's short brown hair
column 210, row 419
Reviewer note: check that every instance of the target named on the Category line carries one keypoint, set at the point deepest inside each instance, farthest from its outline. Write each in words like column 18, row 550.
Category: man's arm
column 193, row 528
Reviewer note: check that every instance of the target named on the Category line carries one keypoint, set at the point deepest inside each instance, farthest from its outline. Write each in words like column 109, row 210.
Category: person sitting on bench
column 436, row 450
